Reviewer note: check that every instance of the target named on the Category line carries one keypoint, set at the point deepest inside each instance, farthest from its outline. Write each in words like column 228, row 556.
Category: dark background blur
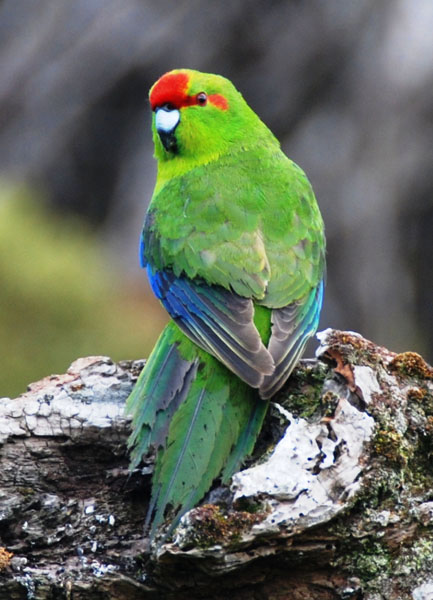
column 346, row 85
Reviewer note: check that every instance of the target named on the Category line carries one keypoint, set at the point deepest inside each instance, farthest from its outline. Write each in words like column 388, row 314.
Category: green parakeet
column 234, row 247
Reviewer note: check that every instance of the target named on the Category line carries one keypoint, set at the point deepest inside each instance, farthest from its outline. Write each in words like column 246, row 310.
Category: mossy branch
column 335, row 503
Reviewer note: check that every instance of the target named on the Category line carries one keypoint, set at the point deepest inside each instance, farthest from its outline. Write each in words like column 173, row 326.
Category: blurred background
column 346, row 85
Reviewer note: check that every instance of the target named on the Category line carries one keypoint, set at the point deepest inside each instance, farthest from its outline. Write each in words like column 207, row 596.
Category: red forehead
column 172, row 88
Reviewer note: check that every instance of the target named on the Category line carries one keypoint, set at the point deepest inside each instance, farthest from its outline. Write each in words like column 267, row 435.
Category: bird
column 234, row 247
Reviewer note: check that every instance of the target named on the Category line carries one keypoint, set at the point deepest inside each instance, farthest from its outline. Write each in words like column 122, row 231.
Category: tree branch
column 335, row 503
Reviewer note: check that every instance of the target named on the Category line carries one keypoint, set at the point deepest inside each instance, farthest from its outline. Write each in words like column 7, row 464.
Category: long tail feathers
column 160, row 389
column 201, row 419
column 246, row 438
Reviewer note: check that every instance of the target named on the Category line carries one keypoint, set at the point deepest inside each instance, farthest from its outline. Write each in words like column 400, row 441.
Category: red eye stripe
column 219, row 101
column 171, row 89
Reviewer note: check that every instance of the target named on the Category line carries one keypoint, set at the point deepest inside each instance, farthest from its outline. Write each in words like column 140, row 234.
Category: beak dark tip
column 168, row 140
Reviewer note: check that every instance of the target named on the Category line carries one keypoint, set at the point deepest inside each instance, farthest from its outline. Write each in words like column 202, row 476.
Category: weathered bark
column 337, row 502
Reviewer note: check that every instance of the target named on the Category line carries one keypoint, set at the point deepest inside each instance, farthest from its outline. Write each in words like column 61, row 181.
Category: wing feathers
column 292, row 326
column 219, row 321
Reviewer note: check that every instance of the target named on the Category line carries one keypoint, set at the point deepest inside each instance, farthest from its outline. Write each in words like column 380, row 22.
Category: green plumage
column 217, row 418
column 248, row 222
column 234, row 246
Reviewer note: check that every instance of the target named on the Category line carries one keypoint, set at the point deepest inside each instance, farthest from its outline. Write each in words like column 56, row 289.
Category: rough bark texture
column 337, row 502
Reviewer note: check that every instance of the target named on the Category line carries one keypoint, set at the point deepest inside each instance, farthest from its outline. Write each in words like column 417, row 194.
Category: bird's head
column 198, row 117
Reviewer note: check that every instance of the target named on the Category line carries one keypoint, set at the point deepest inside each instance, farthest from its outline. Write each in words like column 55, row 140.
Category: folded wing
column 217, row 320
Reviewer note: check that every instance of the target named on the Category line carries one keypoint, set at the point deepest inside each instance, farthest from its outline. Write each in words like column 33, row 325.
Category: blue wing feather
column 141, row 251
column 218, row 320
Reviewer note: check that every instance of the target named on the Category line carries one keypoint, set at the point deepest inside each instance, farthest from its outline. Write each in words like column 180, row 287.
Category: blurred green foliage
column 58, row 298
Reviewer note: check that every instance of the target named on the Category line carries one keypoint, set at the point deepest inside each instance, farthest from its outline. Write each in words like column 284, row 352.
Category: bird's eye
column 201, row 98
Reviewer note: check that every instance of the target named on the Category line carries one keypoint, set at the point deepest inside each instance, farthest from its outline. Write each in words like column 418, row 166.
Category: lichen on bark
column 336, row 501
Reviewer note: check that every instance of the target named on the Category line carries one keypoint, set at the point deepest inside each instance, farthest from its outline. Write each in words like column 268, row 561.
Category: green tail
column 201, row 419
